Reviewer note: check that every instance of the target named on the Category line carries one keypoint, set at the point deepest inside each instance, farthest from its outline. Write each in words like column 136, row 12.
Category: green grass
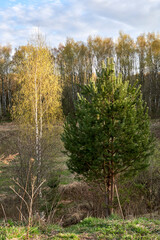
column 118, row 229
column 89, row 228
column 10, row 231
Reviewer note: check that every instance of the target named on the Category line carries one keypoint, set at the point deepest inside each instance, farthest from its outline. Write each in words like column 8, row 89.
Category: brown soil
column 5, row 127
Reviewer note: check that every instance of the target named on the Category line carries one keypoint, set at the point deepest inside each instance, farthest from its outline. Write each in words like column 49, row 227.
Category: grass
column 118, row 229
column 89, row 228
column 9, row 145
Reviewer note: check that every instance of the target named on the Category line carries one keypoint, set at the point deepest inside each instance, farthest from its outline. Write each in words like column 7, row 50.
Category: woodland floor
column 8, row 126
column 89, row 228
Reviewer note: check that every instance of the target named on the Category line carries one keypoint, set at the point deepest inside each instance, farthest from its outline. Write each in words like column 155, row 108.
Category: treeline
column 77, row 62
column 6, row 80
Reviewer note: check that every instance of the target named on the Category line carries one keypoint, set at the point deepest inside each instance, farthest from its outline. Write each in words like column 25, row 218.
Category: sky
column 59, row 19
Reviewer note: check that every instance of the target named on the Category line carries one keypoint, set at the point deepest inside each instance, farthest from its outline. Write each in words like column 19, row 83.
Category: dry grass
column 8, row 127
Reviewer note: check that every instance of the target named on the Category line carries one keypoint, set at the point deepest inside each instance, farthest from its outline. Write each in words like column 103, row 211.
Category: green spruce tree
column 110, row 133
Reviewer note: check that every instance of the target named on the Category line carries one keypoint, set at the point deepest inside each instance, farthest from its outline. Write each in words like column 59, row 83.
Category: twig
column 119, row 201
column 5, row 217
column 38, row 188
column 22, row 188
column 20, row 197
column 31, row 197
column 21, row 213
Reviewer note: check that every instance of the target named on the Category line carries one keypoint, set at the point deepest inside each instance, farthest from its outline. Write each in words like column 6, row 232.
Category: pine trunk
column 107, row 200
column 112, row 194
column 109, row 194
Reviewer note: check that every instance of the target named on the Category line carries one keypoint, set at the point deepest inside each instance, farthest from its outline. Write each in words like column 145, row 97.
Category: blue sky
column 59, row 19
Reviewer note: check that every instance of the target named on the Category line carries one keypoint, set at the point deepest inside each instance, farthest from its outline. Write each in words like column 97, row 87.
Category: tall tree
column 37, row 101
column 141, row 52
column 100, row 49
column 153, row 66
column 5, row 91
column 125, row 50
column 110, row 134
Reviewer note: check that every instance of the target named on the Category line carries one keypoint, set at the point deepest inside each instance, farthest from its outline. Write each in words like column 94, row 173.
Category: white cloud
column 78, row 19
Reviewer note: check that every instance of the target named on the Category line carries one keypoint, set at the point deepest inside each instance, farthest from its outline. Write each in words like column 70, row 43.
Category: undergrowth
column 89, row 228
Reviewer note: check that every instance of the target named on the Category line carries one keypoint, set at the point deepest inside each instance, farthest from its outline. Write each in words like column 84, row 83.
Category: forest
column 80, row 138
column 77, row 62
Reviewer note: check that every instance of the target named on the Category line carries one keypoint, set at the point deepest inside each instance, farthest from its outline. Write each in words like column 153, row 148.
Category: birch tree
column 5, row 84
column 37, row 102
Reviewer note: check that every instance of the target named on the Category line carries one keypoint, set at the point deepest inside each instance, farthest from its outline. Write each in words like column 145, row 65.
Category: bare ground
column 5, row 127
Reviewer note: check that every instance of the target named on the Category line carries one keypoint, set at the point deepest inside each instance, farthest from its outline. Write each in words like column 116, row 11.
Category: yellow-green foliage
column 38, row 88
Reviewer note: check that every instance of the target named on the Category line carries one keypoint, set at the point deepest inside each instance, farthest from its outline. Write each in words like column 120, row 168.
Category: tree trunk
column 0, row 107
column 107, row 200
column 38, row 160
column 112, row 193
column 9, row 92
column 40, row 138
column 3, row 98
column 109, row 194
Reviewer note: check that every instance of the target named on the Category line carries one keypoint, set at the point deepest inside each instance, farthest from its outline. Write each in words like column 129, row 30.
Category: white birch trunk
column 0, row 107
column 3, row 98
column 37, row 129
column 9, row 92
column 40, row 130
